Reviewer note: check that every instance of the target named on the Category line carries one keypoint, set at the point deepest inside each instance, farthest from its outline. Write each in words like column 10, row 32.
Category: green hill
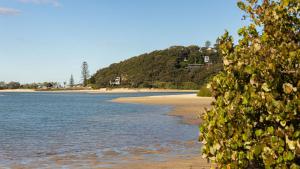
column 177, row 67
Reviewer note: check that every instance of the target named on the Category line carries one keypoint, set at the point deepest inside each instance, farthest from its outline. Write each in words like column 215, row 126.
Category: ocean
column 59, row 130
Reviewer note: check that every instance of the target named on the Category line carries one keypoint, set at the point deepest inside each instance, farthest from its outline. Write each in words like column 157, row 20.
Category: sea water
column 37, row 127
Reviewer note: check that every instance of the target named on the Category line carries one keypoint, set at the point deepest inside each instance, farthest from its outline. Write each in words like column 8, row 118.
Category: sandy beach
column 17, row 91
column 187, row 106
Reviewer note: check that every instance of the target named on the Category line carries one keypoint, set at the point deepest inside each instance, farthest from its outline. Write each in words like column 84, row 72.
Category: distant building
column 116, row 81
column 206, row 59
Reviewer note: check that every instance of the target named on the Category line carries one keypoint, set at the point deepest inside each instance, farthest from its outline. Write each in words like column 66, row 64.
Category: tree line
column 51, row 85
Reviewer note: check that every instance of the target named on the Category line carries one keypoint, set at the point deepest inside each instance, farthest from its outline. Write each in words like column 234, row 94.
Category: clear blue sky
column 47, row 40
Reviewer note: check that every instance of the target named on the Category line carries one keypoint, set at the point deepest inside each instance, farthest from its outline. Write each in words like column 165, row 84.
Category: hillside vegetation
column 177, row 67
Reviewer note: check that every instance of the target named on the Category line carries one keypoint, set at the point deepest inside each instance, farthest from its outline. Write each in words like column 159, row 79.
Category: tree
column 254, row 121
column 3, row 85
column 85, row 73
column 207, row 44
column 71, row 83
column 13, row 85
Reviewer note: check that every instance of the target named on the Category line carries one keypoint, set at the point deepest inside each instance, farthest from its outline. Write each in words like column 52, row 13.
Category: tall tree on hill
column 85, row 73
column 71, row 81
column 207, row 44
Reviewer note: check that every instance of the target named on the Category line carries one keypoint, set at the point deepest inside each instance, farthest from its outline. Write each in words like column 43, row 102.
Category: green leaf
column 257, row 150
column 270, row 130
column 285, row 3
column 288, row 156
column 265, row 87
column 295, row 166
column 241, row 5
column 245, row 101
column 258, row 132
column 280, row 149
column 201, row 129
column 249, row 69
column 245, row 137
column 296, row 134
column 283, row 123
column 291, row 144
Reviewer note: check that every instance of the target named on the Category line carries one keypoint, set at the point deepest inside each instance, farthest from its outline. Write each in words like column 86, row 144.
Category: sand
column 192, row 162
column 17, row 90
column 189, row 107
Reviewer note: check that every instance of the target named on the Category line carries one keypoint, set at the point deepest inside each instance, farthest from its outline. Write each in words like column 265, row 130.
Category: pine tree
column 71, row 83
column 85, row 73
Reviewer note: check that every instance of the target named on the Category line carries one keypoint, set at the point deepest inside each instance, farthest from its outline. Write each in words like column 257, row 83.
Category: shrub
column 255, row 119
column 204, row 92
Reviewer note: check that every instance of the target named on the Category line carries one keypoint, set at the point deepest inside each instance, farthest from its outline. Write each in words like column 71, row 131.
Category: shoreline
column 187, row 106
column 102, row 90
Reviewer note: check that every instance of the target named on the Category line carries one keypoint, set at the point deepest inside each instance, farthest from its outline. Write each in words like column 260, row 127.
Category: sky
column 47, row 40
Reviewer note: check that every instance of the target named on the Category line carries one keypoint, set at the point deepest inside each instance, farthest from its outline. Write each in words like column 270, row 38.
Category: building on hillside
column 116, row 81
column 206, row 59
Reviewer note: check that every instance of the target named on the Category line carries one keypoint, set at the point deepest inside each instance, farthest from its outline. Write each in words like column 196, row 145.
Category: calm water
column 36, row 127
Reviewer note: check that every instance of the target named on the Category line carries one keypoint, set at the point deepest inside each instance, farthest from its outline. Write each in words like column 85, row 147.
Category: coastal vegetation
column 177, row 67
column 17, row 85
column 254, row 120
column 204, row 92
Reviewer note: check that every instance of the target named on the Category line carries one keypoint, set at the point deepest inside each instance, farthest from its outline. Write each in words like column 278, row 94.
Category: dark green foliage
column 10, row 85
column 85, row 73
column 162, row 69
column 71, row 83
column 255, row 120
column 13, row 85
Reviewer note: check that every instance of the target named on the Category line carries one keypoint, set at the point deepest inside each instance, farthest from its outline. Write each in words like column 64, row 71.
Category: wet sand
column 187, row 106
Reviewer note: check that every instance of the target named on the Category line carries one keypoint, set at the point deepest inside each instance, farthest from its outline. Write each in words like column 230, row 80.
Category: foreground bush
column 204, row 92
column 255, row 120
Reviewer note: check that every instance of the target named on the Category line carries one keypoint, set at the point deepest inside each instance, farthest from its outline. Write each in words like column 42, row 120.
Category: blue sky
column 47, row 40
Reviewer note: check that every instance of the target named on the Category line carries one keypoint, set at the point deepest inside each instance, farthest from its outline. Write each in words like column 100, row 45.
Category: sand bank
column 187, row 106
